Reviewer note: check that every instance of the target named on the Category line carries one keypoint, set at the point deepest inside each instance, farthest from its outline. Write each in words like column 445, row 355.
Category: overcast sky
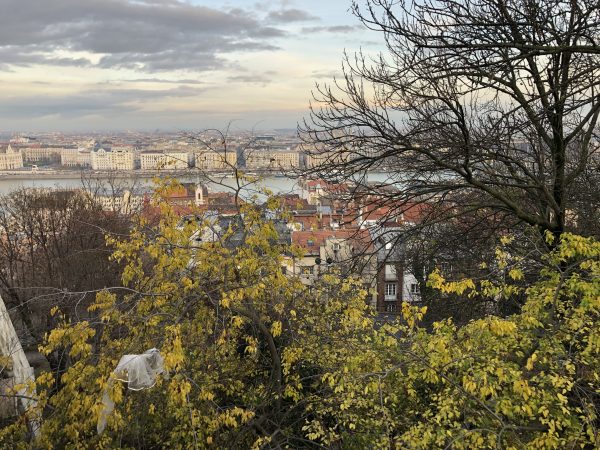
column 75, row 65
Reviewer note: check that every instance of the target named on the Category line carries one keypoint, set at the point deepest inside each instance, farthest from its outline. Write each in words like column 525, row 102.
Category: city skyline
column 169, row 64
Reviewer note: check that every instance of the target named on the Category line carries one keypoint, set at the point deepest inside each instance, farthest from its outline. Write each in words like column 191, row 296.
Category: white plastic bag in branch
column 138, row 371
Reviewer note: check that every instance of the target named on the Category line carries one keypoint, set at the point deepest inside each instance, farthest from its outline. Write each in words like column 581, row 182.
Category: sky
column 94, row 65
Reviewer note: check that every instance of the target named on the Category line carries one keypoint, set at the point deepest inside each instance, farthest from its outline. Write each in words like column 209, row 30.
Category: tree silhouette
column 481, row 104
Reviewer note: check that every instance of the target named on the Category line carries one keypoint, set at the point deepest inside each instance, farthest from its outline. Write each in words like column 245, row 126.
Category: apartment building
column 320, row 157
column 75, row 157
column 345, row 251
column 286, row 159
column 395, row 281
column 265, row 158
column 124, row 202
column 38, row 154
column 119, row 158
column 215, row 160
column 321, row 192
column 164, row 160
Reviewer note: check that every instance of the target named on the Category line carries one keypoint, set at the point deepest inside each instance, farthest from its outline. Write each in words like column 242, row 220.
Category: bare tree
column 53, row 253
column 221, row 161
column 112, row 186
column 482, row 104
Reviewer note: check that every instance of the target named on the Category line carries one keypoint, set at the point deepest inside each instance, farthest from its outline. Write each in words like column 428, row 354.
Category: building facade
column 320, row 157
column 265, row 158
column 395, row 282
column 394, row 286
column 215, row 160
column 117, row 159
column 346, row 252
column 125, row 202
column 11, row 159
column 157, row 160
column 286, row 159
column 41, row 154
column 73, row 157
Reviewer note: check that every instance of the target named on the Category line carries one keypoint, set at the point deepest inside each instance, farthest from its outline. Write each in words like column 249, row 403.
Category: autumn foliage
column 255, row 359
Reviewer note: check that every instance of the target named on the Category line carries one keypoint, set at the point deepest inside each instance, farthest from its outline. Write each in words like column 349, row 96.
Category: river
column 277, row 184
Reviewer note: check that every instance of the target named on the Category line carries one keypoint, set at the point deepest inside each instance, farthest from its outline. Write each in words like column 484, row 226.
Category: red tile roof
column 312, row 240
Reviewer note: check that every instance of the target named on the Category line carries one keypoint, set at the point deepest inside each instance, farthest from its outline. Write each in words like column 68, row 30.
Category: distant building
column 264, row 138
column 38, row 154
column 74, row 157
column 101, row 160
column 395, row 282
column 215, row 160
column 188, row 194
column 10, row 159
column 115, row 159
column 267, row 158
column 324, row 157
column 168, row 160
column 315, row 192
column 257, row 159
column 321, row 157
column 347, row 251
column 286, row 159
column 124, row 202
column 19, row 139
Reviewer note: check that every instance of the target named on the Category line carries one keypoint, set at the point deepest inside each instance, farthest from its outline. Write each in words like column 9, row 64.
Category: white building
column 75, row 157
column 10, row 159
column 286, row 159
column 100, row 160
column 123, row 158
column 156, row 160
column 265, row 158
column 215, row 160
column 125, row 202
column 41, row 154
column 315, row 157
column 116, row 159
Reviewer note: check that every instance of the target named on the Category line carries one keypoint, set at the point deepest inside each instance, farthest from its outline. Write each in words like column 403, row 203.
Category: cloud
column 338, row 29
column 145, row 35
column 103, row 100
column 10, row 56
column 329, row 74
column 261, row 79
column 162, row 80
column 290, row 15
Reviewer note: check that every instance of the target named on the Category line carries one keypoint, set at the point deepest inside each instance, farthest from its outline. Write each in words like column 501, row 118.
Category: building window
column 306, row 270
column 336, row 247
column 310, row 243
column 445, row 267
column 390, row 291
column 414, row 288
column 390, row 272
